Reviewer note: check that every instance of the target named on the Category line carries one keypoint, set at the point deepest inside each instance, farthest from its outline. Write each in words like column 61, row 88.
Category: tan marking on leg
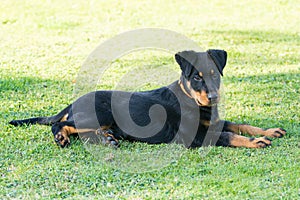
column 244, row 129
column 104, row 128
column 64, row 118
column 241, row 141
column 275, row 132
column 71, row 130
column 252, row 130
column 62, row 137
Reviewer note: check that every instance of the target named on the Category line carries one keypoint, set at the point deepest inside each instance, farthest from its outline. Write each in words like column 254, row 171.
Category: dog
column 185, row 112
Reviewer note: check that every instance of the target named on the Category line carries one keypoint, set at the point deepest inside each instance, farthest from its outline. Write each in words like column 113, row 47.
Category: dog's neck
column 207, row 113
column 182, row 85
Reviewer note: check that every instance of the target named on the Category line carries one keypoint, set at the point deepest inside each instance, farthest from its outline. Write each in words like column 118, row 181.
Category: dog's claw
column 275, row 132
column 114, row 143
column 261, row 142
column 282, row 129
column 279, row 135
column 61, row 140
column 107, row 137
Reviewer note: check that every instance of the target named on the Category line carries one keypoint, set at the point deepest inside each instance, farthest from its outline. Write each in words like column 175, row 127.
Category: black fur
column 42, row 120
column 187, row 120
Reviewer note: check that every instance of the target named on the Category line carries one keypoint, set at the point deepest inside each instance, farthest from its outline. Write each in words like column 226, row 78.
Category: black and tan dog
column 183, row 112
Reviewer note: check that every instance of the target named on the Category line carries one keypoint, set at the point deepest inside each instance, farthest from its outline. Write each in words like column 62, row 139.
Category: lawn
column 43, row 45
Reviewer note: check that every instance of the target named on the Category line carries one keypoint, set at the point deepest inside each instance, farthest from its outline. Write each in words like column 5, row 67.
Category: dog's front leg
column 234, row 140
column 252, row 130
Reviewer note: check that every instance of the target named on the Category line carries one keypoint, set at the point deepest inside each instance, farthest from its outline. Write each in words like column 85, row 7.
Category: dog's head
column 201, row 72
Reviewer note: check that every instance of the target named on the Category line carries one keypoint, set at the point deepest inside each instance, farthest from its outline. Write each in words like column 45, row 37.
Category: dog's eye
column 197, row 78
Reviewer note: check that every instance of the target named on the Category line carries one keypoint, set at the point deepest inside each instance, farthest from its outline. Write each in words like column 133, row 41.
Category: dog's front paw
column 260, row 142
column 107, row 138
column 62, row 139
column 275, row 132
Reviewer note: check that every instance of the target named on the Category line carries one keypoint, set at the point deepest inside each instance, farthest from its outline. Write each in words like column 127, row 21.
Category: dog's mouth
column 206, row 101
column 198, row 102
column 202, row 98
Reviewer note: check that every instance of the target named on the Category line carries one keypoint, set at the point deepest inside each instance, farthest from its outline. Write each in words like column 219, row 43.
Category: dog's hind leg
column 63, row 130
column 106, row 135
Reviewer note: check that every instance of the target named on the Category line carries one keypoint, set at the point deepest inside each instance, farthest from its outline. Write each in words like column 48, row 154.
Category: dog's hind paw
column 62, row 139
column 107, row 137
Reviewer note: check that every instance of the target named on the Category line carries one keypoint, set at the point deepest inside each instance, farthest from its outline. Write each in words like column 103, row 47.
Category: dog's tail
column 42, row 120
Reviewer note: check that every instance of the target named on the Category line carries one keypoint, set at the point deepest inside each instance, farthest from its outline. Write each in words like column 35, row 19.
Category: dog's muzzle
column 213, row 98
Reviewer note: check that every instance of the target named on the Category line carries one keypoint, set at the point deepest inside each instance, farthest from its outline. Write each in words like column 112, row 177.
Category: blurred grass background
column 43, row 45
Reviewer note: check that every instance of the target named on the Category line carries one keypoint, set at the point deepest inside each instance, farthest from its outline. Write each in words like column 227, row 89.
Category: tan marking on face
column 200, row 98
column 200, row 74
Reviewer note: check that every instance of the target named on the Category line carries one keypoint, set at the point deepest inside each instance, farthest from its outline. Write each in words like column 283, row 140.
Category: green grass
column 43, row 45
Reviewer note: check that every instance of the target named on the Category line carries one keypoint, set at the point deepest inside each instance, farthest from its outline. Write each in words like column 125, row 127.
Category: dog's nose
column 212, row 97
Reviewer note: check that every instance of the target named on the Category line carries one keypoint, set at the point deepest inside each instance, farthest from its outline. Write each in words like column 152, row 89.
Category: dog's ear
column 219, row 57
column 185, row 66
